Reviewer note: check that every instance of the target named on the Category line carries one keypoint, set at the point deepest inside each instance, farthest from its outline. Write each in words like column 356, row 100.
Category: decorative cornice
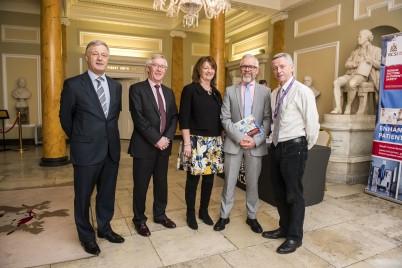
column 65, row 21
column 178, row 34
column 279, row 16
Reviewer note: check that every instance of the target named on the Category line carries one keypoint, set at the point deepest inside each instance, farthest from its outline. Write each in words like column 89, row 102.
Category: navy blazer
column 91, row 134
column 145, row 114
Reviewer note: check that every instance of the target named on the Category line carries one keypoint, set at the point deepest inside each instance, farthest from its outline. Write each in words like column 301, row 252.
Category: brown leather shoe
column 168, row 223
column 142, row 229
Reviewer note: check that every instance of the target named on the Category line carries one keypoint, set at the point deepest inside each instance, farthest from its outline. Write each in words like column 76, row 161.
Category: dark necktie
column 162, row 111
column 275, row 134
column 101, row 95
column 247, row 101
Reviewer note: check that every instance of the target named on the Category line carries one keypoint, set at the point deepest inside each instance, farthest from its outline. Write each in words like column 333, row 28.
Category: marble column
column 177, row 66
column 217, row 49
column 278, row 45
column 54, row 143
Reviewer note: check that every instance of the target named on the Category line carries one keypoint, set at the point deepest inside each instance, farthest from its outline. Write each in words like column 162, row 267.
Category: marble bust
column 22, row 94
column 308, row 81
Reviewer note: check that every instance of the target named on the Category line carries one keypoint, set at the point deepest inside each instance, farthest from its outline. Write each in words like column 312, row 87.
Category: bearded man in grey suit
column 241, row 100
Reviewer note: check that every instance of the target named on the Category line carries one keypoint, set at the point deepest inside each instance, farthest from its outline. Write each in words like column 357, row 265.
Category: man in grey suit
column 90, row 106
column 241, row 100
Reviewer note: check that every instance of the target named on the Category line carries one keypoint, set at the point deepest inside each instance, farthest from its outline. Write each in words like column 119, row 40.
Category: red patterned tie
column 162, row 111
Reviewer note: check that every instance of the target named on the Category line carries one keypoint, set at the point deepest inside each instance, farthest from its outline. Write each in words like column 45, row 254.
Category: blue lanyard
column 279, row 103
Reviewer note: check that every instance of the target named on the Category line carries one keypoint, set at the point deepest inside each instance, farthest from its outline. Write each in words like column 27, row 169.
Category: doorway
column 126, row 125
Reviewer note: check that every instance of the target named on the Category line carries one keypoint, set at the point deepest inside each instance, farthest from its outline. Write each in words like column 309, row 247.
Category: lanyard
column 278, row 103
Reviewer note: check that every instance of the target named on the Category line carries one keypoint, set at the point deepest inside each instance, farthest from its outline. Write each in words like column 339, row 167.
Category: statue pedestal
column 352, row 139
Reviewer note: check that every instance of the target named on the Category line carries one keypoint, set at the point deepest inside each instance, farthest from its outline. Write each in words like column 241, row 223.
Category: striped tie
column 101, row 95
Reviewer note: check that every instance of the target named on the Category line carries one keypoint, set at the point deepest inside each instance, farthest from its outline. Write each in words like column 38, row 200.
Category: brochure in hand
column 248, row 126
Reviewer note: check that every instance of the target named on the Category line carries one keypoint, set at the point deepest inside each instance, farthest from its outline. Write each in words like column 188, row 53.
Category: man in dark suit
column 154, row 113
column 89, row 110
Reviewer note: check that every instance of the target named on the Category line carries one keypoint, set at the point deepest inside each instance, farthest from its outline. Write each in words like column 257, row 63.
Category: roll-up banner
column 386, row 162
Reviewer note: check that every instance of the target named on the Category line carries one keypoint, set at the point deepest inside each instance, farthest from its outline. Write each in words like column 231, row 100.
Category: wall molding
column 363, row 8
column 315, row 48
column 336, row 10
column 250, row 45
column 9, row 33
column 124, row 45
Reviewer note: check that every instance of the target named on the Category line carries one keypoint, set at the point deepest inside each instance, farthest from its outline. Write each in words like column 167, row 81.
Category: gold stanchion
column 20, row 134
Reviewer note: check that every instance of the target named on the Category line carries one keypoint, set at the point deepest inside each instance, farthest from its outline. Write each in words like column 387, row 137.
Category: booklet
column 248, row 126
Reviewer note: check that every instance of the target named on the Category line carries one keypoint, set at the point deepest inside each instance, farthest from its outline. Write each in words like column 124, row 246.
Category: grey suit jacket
column 232, row 112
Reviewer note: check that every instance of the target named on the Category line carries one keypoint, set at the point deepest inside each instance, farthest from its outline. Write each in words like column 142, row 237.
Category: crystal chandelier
column 191, row 8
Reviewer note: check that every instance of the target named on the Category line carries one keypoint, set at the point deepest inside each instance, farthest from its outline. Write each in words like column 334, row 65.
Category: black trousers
column 104, row 176
column 143, row 169
column 288, row 164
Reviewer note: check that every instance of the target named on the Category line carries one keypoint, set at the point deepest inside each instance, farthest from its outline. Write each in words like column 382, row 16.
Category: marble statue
column 22, row 94
column 363, row 65
column 308, row 81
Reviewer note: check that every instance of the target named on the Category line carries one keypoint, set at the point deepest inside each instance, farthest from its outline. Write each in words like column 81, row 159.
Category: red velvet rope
column 1, row 132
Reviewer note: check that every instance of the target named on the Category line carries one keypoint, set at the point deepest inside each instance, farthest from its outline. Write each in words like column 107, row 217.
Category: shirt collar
column 93, row 76
column 285, row 86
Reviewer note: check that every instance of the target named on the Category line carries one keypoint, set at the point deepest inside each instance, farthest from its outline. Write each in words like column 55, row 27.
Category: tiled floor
column 348, row 229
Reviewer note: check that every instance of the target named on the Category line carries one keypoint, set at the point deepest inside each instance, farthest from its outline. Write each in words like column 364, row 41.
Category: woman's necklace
column 209, row 91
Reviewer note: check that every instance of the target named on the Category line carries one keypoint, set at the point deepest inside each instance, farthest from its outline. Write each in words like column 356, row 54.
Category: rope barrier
column 4, row 132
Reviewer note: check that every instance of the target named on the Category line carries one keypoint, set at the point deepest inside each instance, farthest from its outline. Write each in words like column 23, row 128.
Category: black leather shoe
column 112, row 237
column 204, row 216
column 220, row 224
column 255, row 226
column 91, row 247
column 288, row 246
column 275, row 234
column 168, row 223
column 142, row 229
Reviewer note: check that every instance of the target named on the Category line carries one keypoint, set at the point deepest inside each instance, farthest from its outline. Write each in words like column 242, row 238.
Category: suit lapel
column 88, row 87
column 150, row 95
column 112, row 93
column 239, row 99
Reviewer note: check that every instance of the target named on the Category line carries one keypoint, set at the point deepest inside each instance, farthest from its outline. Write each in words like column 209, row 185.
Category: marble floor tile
column 184, row 244
column 240, row 234
column 206, row 262
column 264, row 255
column 345, row 244
column 384, row 224
column 136, row 251
column 339, row 190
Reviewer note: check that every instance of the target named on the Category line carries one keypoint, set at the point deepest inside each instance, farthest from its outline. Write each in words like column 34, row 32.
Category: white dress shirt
column 299, row 115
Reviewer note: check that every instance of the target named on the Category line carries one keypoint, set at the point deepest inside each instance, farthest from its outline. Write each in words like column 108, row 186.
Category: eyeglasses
column 157, row 66
column 249, row 67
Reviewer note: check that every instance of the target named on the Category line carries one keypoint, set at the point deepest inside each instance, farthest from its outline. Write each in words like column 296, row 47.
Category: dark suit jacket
column 91, row 135
column 146, row 118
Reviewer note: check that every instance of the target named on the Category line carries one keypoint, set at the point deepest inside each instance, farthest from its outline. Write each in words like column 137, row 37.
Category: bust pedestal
column 352, row 139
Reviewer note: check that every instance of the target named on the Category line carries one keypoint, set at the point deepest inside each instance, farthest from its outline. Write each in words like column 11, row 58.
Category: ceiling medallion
column 191, row 8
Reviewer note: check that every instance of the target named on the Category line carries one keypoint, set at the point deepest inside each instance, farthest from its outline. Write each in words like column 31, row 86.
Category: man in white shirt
column 296, row 129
